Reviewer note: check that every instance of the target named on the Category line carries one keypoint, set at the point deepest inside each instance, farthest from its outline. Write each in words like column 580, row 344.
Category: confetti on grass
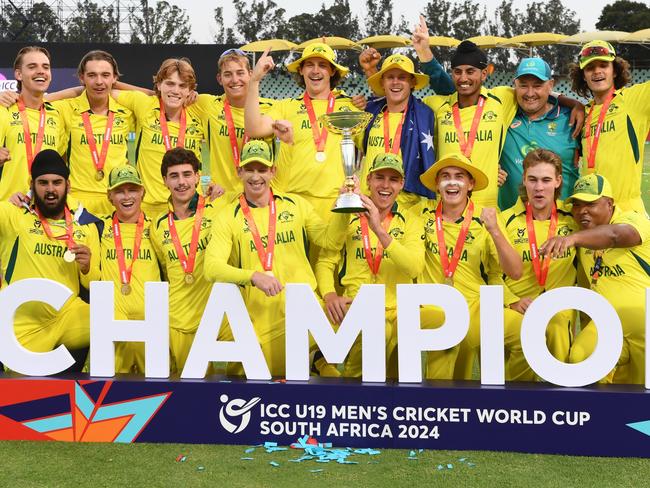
column 181, row 458
column 274, row 464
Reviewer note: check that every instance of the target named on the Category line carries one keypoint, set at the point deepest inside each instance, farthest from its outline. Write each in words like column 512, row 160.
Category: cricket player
column 383, row 246
column 618, row 121
column 29, row 124
column 260, row 243
column 614, row 250
column 476, row 253
column 180, row 238
column 537, row 216
column 128, row 258
column 44, row 240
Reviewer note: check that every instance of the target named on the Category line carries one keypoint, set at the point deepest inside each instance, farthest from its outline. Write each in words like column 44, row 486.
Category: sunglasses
column 233, row 50
column 596, row 51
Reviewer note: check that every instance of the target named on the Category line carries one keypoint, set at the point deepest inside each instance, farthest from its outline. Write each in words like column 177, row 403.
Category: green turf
column 35, row 464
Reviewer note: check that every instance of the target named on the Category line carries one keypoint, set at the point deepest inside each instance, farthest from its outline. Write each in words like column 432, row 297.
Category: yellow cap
column 318, row 50
column 256, row 150
column 428, row 178
column 397, row 61
column 590, row 188
column 596, row 51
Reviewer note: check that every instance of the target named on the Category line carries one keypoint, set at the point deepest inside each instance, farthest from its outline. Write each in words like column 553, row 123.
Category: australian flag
column 418, row 154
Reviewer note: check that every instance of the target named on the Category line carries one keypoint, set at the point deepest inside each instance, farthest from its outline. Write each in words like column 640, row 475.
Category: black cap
column 49, row 162
column 469, row 53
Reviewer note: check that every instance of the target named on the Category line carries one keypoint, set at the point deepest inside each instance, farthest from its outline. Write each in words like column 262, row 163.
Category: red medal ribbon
column 320, row 135
column 265, row 255
column 466, row 146
column 541, row 271
column 68, row 237
column 394, row 148
column 449, row 268
column 125, row 273
column 187, row 262
column 98, row 160
column 593, row 146
column 27, row 133
column 374, row 261
column 232, row 133
column 180, row 141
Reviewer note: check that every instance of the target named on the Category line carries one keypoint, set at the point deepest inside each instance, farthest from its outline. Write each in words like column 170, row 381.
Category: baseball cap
column 123, row 174
column 596, row 51
column 387, row 161
column 398, row 61
column 534, row 66
column 256, row 150
column 590, row 188
column 318, row 50
column 428, row 178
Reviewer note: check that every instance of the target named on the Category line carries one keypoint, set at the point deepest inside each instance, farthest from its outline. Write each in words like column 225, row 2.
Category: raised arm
column 257, row 124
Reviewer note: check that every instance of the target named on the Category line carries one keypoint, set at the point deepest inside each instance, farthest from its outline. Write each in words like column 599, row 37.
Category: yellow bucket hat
column 398, row 61
column 318, row 50
column 428, row 178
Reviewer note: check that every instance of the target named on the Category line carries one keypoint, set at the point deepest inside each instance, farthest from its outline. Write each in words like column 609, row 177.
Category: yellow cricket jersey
column 144, row 269
column 82, row 169
column 619, row 154
column 562, row 271
column 402, row 260
column 186, row 301
column 625, row 272
column 27, row 252
column 479, row 260
column 298, row 170
column 150, row 147
column 222, row 164
column 376, row 144
column 14, row 174
column 499, row 110
column 232, row 256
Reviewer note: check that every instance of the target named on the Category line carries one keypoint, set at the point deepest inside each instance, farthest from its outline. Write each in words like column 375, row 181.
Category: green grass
column 35, row 464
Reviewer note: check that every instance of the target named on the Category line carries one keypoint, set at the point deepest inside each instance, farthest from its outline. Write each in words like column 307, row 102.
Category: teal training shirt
column 553, row 132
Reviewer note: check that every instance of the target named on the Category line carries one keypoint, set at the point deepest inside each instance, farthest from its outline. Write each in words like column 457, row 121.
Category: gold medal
column 99, row 176
column 126, row 288
column 69, row 256
column 189, row 278
column 449, row 281
column 320, row 156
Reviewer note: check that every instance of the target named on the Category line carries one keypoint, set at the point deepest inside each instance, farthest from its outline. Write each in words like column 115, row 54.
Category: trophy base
column 349, row 203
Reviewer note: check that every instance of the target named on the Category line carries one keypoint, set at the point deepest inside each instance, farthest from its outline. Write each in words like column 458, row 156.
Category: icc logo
column 236, row 408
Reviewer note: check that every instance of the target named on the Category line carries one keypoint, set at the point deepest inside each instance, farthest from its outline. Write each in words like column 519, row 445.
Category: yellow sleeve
column 408, row 253
column 136, row 101
column 637, row 98
column 278, row 110
column 639, row 222
column 328, row 261
column 434, row 102
column 157, row 248
column 4, row 124
column 7, row 211
column 65, row 111
column 508, row 100
column 204, row 104
column 92, row 241
column 328, row 235
column 216, row 267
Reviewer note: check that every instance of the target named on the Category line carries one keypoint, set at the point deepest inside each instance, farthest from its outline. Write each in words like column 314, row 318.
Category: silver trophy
column 347, row 124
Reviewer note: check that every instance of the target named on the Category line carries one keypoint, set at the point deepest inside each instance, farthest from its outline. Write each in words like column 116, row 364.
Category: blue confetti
column 201, row 468
column 462, row 460
column 249, row 450
column 471, row 465
column 247, row 459
column 412, row 453
column 316, row 470
column 420, row 450
column 274, row 464
column 440, row 466
column 450, row 466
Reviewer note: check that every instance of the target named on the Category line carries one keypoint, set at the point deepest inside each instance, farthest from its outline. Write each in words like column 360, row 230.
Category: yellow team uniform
column 298, row 170
column 401, row 263
column 27, row 252
column 478, row 265
column 297, row 226
column 619, row 154
column 150, row 147
column 623, row 279
column 14, row 174
column 561, row 272
column 499, row 110
column 186, row 301
column 129, row 357
column 84, row 187
column 222, row 164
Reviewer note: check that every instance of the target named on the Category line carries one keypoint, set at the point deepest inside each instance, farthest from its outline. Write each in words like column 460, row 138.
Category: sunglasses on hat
column 595, row 51
column 233, row 50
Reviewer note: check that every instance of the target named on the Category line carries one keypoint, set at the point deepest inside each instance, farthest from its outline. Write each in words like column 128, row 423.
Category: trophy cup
column 347, row 124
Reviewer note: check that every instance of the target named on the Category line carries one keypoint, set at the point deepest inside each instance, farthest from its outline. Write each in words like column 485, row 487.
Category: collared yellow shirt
column 562, row 270
column 619, row 155
column 150, row 147
column 499, row 110
column 14, row 174
column 145, row 268
column 82, row 167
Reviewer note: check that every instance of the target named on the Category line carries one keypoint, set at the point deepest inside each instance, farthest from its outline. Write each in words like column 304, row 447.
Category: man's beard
column 48, row 211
